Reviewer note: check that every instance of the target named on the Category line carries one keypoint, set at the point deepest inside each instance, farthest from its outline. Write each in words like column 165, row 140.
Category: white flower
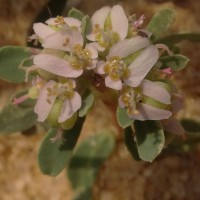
column 52, row 91
column 135, row 101
column 109, row 25
column 117, row 70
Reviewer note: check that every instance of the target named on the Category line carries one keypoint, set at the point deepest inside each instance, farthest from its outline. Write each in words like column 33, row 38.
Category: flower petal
column 42, row 30
column 42, row 107
column 99, row 17
column 92, row 65
column 92, row 49
column 100, row 67
column 70, row 106
column 114, row 84
column 155, row 91
column 119, row 21
column 142, row 65
column 56, row 66
column 128, row 46
column 68, row 20
column 147, row 112
column 58, row 40
column 172, row 125
column 121, row 103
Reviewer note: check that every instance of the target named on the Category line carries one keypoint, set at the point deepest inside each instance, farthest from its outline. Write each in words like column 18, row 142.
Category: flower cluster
column 110, row 45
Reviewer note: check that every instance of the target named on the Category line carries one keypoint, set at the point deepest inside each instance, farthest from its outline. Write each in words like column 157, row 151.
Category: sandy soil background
column 171, row 177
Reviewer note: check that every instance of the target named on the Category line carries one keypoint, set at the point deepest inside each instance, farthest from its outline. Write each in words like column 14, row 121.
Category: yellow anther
column 59, row 20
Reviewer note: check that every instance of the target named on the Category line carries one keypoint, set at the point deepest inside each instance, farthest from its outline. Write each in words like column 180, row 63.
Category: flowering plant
column 108, row 56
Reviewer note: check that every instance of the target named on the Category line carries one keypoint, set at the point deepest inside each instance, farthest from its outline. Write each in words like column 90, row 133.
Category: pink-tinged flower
column 117, row 69
column 146, row 101
column 71, row 66
column 53, row 25
column 109, row 25
column 62, row 90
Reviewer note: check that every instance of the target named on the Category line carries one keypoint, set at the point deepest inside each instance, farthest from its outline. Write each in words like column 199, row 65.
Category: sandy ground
column 171, row 177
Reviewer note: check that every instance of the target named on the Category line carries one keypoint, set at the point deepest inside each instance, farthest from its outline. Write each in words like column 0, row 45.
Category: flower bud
column 69, row 123
column 54, row 113
column 33, row 92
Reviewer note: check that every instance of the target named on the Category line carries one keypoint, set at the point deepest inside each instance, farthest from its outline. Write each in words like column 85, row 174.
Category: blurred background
column 174, row 176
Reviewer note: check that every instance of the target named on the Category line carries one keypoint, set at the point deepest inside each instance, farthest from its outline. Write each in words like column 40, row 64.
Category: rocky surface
column 171, row 177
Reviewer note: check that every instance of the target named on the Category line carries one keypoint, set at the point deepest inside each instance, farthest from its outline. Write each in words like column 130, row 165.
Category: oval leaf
column 176, row 62
column 75, row 13
column 130, row 143
column 15, row 118
column 10, row 59
column 122, row 118
column 54, row 157
column 161, row 22
column 176, row 38
column 150, row 139
column 86, row 161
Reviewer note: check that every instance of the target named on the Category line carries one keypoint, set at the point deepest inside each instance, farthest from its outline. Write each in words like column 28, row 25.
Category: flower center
column 116, row 68
column 130, row 98
column 63, row 90
column 81, row 58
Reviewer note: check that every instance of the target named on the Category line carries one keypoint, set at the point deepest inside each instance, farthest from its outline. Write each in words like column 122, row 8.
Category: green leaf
column 10, row 59
column 122, row 118
column 86, row 24
column 190, row 125
column 150, row 139
column 54, row 157
column 176, row 62
column 75, row 13
column 15, row 118
column 176, row 38
column 161, row 22
column 87, row 103
column 86, row 161
column 130, row 143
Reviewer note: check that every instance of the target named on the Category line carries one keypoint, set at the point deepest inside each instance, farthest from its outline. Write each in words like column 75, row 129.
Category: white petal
column 42, row 107
column 119, row 21
column 56, row 66
column 121, row 103
column 142, row 65
column 147, row 112
column 100, row 67
column 70, row 106
column 93, row 50
column 128, row 46
column 57, row 40
column 114, row 84
column 155, row 91
column 69, row 20
column 42, row 30
column 172, row 125
column 92, row 65
column 100, row 16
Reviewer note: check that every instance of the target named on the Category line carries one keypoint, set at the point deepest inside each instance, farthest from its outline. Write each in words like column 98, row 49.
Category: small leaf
column 15, row 118
column 130, row 143
column 176, row 62
column 122, row 118
column 10, row 59
column 190, row 125
column 87, row 103
column 54, row 157
column 86, row 24
column 75, row 13
column 176, row 38
column 161, row 22
column 86, row 161
column 150, row 139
